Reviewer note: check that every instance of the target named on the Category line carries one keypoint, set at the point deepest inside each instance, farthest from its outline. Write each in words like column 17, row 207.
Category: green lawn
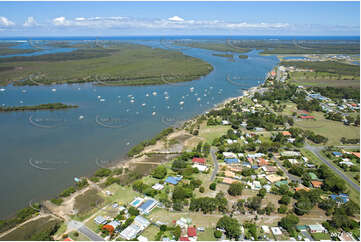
column 209, row 133
column 207, row 235
column 151, row 232
column 320, row 236
column 80, row 237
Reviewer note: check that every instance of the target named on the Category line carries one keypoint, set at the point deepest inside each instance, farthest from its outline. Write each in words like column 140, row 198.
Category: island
column 223, row 55
column 109, row 64
column 48, row 106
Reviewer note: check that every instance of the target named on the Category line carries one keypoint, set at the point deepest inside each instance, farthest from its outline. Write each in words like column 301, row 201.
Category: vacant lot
column 87, row 202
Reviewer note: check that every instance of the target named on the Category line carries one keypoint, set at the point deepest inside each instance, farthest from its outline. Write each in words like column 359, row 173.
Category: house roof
column 68, row 239
column 316, row 227
column 199, row 160
column 262, row 162
column 228, row 180
column 336, row 153
column 357, row 154
column 273, row 178
column 316, row 184
column 307, row 117
column 172, row 180
column 192, row 231
column 313, row 176
column 108, row 227
column 184, row 239
column 230, row 161
column 229, row 173
column 286, row 133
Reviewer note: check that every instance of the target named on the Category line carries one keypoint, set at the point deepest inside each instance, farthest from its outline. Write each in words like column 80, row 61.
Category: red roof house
column 192, row 232
column 109, row 228
column 262, row 162
column 357, row 154
column 184, row 239
column 307, row 117
column 68, row 239
column 286, row 133
column 199, row 160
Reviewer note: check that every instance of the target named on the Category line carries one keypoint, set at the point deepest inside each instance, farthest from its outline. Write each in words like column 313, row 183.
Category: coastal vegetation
column 6, row 48
column 212, row 45
column 20, row 216
column 243, row 56
column 140, row 147
column 120, row 64
column 223, row 55
column 48, row 106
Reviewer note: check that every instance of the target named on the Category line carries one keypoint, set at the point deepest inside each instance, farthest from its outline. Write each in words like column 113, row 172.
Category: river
column 42, row 151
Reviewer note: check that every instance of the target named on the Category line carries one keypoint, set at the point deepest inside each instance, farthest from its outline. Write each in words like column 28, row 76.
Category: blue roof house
column 231, row 160
column 341, row 198
column 337, row 154
column 173, row 180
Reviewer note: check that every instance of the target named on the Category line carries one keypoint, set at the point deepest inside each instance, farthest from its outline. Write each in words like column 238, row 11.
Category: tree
column 213, row 186
column 230, row 225
column 217, row 234
column 160, row 172
column 254, row 203
column 289, row 222
column 201, row 189
column 262, row 192
column 133, row 211
column 270, row 208
column 235, row 189
column 282, row 209
column 285, row 200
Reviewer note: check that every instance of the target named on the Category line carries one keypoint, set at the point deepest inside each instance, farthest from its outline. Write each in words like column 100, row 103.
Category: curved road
column 215, row 161
column 316, row 151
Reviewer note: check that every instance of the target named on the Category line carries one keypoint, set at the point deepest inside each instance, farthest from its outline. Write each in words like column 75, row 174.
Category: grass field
column 323, row 79
column 209, row 133
column 320, row 236
column 333, row 130
column 151, row 232
column 127, row 64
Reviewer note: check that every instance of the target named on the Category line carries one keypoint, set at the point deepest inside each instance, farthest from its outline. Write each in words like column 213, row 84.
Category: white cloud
column 61, row 21
column 30, row 22
column 5, row 22
column 176, row 19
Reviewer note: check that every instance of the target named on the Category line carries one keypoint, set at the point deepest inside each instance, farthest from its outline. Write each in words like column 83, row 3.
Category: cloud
column 176, row 19
column 61, row 21
column 30, row 22
column 6, row 22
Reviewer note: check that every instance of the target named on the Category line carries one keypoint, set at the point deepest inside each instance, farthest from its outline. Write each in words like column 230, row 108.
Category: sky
column 179, row 18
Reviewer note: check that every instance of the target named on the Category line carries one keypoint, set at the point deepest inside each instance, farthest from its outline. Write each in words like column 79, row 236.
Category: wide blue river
column 42, row 151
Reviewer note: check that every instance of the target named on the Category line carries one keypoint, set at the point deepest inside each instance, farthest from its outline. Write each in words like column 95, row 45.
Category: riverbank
column 48, row 106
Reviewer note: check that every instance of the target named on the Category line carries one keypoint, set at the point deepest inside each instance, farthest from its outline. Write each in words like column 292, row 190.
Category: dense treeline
column 326, row 66
column 65, row 56
column 338, row 92
column 140, row 147
column 48, row 106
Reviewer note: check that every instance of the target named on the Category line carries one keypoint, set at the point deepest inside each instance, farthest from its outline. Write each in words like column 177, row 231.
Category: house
column 246, row 164
column 229, row 174
column 267, row 187
column 199, row 160
column 337, row 154
column 68, row 239
column 276, row 231
column 192, row 232
column 109, row 228
column 229, row 155
column 262, row 162
column 265, row 229
column 142, row 238
column 291, row 140
column 316, row 228
column 158, row 187
column 184, row 239
column 301, row 187
column 147, row 206
column 231, row 160
column 250, row 160
column 173, row 180
column 307, row 117
column 273, row 178
column 200, row 168
column 255, row 185
column 141, row 221
column 286, row 133
column 316, row 184
column 341, row 198
column 100, row 220
column 183, row 222
column 225, row 122
column 345, row 236
column 293, row 161
column 112, row 225
column 347, row 163
column 131, row 232
column 290, row 153
column 269, row 169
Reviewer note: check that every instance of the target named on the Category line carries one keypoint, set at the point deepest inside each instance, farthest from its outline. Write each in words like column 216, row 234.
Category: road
column 76, row 225
column 292, row 177
column 214, row 157
column 316, row 151
column 306, row 235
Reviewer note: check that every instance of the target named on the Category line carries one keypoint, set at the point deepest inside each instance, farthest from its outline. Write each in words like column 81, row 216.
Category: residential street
column 84, row 230
column 316, row 151
column 214, row 157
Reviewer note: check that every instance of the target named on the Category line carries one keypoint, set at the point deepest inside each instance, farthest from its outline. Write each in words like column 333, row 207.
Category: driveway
column 316, row 151
column 215, row 161
column 76, row 225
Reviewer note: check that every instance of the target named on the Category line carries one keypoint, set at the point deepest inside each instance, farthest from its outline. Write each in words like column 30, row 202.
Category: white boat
column 81, row 117
column 154, row 93
column 154, row 113
column 102, row 100
column 99, row 97
column 166, row 97
column 132, row 101
column 191, row 89
column 53, row 90
column 181, row 103
column 21, row 102
column 2, row 90
column 143, row 104
column 198, row 99
column 147, row 95
column 23, row 91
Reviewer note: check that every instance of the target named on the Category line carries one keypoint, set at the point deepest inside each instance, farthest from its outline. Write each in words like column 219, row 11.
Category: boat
column 132, row 101
column 2, row 90
column 143, row 104
column 102, row 100
column 181, row 103
column 81, row 117
column 154, row 93
column 198, row 99
column 154, row 113
column 53, row 90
